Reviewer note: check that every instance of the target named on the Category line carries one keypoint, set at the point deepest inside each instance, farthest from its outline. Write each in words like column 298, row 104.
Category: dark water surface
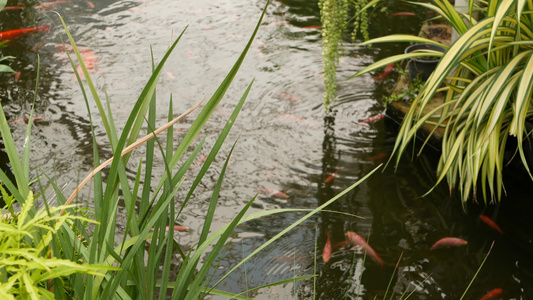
column 286, row 143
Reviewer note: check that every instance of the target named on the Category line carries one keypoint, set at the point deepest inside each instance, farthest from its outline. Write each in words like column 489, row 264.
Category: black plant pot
column 423, row 67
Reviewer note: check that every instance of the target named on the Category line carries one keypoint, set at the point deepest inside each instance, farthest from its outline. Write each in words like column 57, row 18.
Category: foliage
column 147, row 261
column 408, row 93
column 27, row 264
column 488, row 74
column 334, row 17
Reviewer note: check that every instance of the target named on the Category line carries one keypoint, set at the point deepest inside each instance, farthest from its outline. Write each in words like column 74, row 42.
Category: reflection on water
column 286, row 144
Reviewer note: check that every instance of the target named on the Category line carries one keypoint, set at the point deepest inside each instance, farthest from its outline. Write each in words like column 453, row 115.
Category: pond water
column 285, row 143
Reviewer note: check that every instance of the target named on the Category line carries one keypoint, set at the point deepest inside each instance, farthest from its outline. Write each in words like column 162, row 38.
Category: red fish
column 373, row 119
column 332, row 176
column 179, row 228
column 403, row 14
column 17, row 76
column 274, row 193
column 386, row 72
column 13, row 34
column 312, row 27
column 48, row 4
column 89, row 60
column 339, row 245
column 448, row 242
column 358, row 241
column 90, row 4
column 326, row 254
column 492, row 294
column 26, row 120
column 491, row 223
column 379, row 157
column 13, row 7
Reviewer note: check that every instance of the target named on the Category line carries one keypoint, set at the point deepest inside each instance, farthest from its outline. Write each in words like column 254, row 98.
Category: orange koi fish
column 357, row 241
column 274, row 193
column 89, row 60
column 490, row 223
column 448, row 242
column 331, row 177
column 26, row 120
column 326, row 254
column 386, row 72
column 492, row 294
column 403, row 14
column 17, row 76
column 90, row 4
column 48, row 4
column 13, row 34
column 373, row 119
column 312, row 27
column 179, row 228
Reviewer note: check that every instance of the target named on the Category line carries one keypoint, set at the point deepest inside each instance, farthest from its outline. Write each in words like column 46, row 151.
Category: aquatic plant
column 335, row 19
column 487, row 76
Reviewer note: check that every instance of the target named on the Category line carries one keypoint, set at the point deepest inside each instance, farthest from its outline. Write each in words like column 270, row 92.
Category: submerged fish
column 26, row 120
column 386, row 72
column 448, row 242
column 274, row 193
column 13, row 34
column 373, row 119
column 404, row 14
column 48, row 4
column 326, row 253
column 492, row 294
column 312, row 27
column 13, row 7
column 331, row 177
column 358, row 241
column 490, row 223
column 290, row 97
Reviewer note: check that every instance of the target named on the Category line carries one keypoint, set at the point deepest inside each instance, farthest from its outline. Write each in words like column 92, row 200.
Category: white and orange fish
column 331, row 177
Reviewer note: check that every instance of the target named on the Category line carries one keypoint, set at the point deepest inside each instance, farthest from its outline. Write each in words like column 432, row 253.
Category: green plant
column 408, row 93
column 488, row 74
column 335, row 19
column 27, row 264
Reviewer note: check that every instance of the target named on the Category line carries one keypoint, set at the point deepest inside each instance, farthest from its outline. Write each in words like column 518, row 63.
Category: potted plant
column 488, row 77
column 425, row 65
